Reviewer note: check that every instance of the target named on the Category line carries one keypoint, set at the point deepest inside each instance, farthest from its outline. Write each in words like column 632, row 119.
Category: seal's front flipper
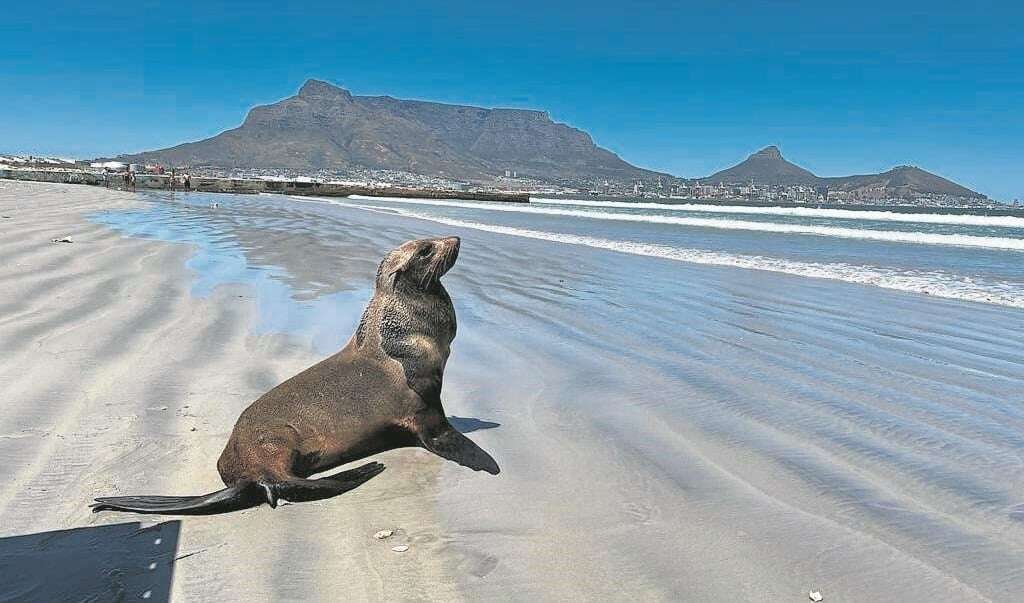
column 234, row 498
column 305, row 490
column 454, row 446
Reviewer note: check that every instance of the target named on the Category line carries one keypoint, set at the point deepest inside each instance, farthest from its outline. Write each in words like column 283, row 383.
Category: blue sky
column 684, row 87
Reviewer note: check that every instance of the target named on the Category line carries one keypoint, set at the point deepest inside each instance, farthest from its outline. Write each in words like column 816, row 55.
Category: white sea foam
column 936, row 283
column 892, row 236
column 803, row 212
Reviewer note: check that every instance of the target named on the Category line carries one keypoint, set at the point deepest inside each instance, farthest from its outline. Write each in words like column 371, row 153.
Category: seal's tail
column 234, row 498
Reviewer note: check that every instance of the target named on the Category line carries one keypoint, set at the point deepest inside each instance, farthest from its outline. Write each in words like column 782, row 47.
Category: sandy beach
column 118, row 380
column 666, row 430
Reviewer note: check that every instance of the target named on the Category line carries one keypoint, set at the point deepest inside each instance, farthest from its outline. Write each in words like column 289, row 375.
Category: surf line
column 890, row 236
column 801, row 212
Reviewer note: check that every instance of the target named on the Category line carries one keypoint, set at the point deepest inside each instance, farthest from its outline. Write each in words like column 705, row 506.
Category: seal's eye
column 425, row 251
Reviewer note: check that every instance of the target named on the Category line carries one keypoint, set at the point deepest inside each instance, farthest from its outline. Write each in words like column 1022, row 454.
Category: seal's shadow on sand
column 119, row 562
column 469, row 424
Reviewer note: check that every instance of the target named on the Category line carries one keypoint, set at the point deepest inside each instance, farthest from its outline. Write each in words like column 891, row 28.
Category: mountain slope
column 326, row 127
column 905, row 180
column 767, row 166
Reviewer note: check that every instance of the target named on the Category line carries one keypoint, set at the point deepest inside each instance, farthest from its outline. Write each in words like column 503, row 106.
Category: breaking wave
column 892, row 236
column 804, row 212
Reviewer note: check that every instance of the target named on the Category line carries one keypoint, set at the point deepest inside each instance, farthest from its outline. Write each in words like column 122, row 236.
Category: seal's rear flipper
column 454, row 446
column 234, row 498
column 305, row 490
column 242, row 495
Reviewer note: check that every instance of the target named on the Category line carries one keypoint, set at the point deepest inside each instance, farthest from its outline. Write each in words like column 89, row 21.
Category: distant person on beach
column 131, row 181
column 188, row 183
column 124, row 179
column 171, row 182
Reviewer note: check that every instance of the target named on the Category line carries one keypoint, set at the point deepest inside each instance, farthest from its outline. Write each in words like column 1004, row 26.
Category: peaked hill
column 766, row 166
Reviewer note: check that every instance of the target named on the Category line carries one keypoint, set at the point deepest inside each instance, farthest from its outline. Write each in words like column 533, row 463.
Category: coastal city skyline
column 683, row 90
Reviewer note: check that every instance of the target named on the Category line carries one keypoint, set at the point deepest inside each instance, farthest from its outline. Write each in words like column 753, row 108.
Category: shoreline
column 251, row 186
column 327, row 189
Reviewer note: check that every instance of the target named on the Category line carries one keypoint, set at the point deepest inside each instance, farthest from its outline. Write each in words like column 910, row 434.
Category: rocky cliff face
column 325, row 126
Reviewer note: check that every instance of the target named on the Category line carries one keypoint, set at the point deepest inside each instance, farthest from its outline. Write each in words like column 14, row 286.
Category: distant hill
column 326, row 127
column 767, row 166
column 903, row 181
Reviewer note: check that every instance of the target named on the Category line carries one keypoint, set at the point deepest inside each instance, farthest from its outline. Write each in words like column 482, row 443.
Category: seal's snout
column 448, row 251
column 453, row 244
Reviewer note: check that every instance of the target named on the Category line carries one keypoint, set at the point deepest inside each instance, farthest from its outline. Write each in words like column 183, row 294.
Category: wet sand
column 666, row 431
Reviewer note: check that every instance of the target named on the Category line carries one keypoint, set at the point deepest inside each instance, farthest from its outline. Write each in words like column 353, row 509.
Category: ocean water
column 968, row 256
column 694, row 403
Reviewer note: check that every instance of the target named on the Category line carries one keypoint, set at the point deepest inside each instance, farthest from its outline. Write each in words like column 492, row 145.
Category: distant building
column 108, row 165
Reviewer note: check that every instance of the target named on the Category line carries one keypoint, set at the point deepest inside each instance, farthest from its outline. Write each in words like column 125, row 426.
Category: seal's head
column 417, row 265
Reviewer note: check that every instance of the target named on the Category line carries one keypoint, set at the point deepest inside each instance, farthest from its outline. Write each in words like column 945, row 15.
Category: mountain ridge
column 768, row 166
column 324, row 126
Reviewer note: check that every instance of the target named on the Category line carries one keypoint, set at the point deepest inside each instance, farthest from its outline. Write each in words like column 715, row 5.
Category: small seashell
column 400, row 548
column 814, row 596
column 381, row 535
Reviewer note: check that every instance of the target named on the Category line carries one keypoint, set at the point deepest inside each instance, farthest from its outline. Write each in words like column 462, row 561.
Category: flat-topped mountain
column 326, row 127
column 767, row 166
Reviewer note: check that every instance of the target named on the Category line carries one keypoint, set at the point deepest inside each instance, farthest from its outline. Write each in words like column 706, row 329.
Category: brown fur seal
column 381, row 391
